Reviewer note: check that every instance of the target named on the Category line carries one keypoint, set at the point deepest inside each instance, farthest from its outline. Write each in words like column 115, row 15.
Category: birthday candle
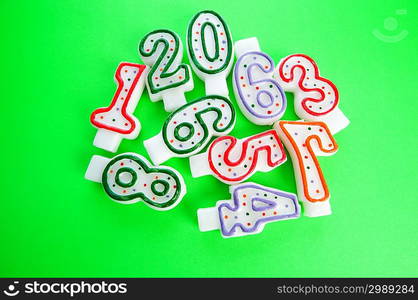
column 305, row 141
column 259, row 96
column 251, row 207
column 316, row 98
column 233, row 161
column 190, row 128
column 168, row 78
column 210, row 51
column 128, row 178
column 117, row 121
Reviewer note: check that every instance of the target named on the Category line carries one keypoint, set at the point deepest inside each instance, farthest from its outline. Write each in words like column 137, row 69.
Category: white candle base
column 246, row 45
column 208, row 219
column 216, row 85
column 157, row 150
column 107, row 140
column 199, row 165
column 95, row 169
column 317, row 209
column 336, row 121
column 173, row 99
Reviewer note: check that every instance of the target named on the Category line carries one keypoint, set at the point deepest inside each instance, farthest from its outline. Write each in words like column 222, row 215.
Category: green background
column 58, row 60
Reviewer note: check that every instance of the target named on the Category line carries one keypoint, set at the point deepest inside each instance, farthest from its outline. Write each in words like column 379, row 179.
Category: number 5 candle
column 116, row 121
column 168, row 78
column 316, row 98
column 304, row 141
column 210, row 51
column 259, row 96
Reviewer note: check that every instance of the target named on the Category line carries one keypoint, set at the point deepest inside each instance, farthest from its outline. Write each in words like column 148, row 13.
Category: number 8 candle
column 168, row 78
column 210, row 50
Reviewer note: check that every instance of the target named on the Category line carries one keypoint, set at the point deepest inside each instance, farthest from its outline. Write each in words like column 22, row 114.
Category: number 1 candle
column 316, row 98
column 117, row 121
column 210, row 50
column 168, row 78
column 304, row 141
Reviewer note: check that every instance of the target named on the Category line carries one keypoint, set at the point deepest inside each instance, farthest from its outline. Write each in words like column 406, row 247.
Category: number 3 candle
column 316, row 98
column 168, row 79
column 259, row 96
column 304, row 141
column 116, row 121
column 210, row 51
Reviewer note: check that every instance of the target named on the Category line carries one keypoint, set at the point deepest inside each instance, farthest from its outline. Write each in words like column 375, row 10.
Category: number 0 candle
column 210, row 51
column 168, row 78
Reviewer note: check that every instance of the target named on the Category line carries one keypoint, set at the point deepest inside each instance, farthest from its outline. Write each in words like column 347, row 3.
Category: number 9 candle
column 168, row 78
column 210, row 51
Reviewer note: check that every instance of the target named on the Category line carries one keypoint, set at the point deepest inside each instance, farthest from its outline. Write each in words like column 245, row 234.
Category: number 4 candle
column 316, row 98
column 251, row 207
column 168, row 78
column 210, row 51
column 304, row 141
column 233, row 161
column 116, row 121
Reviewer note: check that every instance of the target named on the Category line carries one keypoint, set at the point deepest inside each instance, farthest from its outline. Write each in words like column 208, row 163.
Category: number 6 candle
column 304, row 141
column 316, row 98
column 168, row 78
column 210, row 51
column 259, row 96
column 116, row 121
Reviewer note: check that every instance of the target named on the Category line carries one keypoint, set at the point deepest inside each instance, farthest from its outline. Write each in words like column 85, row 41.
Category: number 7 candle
column 316, row 98
column 168, row 78
column 117, row 121
column 304, row 141
column 210, row 51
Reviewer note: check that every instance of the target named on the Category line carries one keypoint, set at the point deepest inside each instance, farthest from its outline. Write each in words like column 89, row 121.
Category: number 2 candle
column 168, row 78
column 210, row 50
column 316, row 98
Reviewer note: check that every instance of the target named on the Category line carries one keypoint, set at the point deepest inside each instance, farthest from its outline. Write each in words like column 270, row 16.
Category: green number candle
column 190, row 128
column 129, row 178
column 210, row 50
column 168, row 78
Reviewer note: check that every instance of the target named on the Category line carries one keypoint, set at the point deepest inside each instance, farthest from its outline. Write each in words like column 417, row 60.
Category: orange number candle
column 304, row 141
